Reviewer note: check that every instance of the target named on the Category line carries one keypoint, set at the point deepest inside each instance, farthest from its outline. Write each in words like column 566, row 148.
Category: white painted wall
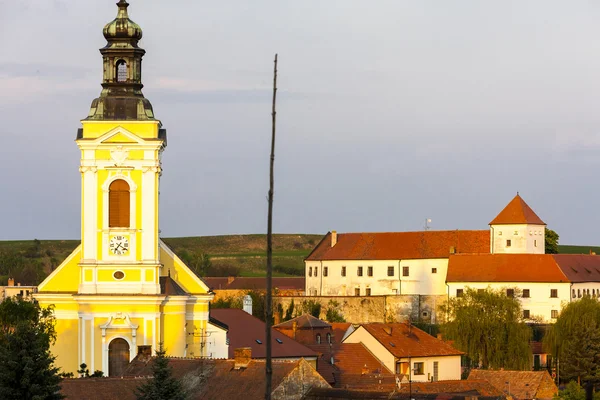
column 448, row 368
column 539, row 303
column 524, row 239
column 420, row 280
column 579, row 289
column 216, row 341
column 361, row 335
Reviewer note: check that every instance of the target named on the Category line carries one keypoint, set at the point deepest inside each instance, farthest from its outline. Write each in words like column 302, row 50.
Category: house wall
column 360, row 335
column 216, row 342
column 524, row 238
column 298, row 382
column 449, row 368
column 539, row 304
column 579, row 289
column 425, row 276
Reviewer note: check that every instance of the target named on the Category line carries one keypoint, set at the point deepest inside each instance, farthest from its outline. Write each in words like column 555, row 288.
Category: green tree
column 27, row 368
column 551, row 241
column 488, row 326
column 289, row 312
column 333, row 313
column 162, row 385
column 573, row 392
column 575, row 341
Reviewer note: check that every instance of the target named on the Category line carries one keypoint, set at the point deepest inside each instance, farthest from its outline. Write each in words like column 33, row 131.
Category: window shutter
column 118, row 204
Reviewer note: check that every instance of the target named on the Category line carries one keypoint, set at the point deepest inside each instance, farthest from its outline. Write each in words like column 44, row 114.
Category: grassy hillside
column 30, row 261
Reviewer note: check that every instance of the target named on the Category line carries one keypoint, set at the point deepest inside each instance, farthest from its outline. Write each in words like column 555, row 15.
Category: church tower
column 122, row 288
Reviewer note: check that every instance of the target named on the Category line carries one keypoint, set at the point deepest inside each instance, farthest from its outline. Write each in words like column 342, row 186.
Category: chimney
column 387, row 329
column 19, row 284
column 230, row 279
column 248, row 304
column 294, row 329
column 333, row 238
column 144, row 352
column 452, row 250
column 11, row 282
column 242, row 357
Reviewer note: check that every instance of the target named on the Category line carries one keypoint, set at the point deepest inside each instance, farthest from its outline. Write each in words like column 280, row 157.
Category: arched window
column 329, row 338
column 118, row 204
column 121, row 71
column 318, row 338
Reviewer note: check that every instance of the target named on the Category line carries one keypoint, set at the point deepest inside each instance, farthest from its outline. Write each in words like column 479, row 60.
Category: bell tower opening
column 121, row 72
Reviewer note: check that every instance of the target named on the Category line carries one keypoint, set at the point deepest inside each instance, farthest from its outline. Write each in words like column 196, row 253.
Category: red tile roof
column 400, row 245
column 517, row 212
column 305, row 321
column 204, row 379
column 338, row 330
column 475, row 387
column 241, row 283
column 519, row 384
column 403, row 340
column 579, row 267
column 504, row 268
column 245, row 330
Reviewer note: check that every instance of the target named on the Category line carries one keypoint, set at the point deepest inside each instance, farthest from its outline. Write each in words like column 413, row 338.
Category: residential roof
column 504, row 268
column 257, row 283
column 517, row 212
column 204, row 379
column 305, row 321
column 579, row 267
column 475, row 387
column 245, row 330
column 401, row 245
column 519, row 384
column 338, row 330
column 386, row 393
column 403, row 340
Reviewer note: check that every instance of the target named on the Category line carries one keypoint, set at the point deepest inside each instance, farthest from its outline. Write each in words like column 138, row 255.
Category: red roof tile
column 519, row 384
column 257, row 283
column 401, row 245
column 245, row 329
column 475, row 387
column 100, row 388
column 504, row 268
column 403, row 340
column 338, row 330
column 517, row 212
column 579, row 267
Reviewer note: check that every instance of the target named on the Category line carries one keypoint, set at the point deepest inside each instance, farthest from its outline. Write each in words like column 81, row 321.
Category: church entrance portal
column 118, row 357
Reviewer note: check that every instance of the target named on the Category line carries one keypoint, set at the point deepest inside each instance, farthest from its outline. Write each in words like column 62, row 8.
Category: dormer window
column 121, row 71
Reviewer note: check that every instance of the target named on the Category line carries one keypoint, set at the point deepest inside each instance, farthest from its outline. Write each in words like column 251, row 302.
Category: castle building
column 122, row 287
column 510, row 256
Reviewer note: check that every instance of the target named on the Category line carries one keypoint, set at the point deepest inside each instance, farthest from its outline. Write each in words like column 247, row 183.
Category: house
column 306, row 329
column 408, row 351
column 519, row 385
column 122, row 287
column 206, row 379
column 247, row 331
column 12, row 290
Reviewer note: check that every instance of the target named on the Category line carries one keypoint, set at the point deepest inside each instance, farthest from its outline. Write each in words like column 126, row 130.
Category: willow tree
column 575, row 341
column 488, row 326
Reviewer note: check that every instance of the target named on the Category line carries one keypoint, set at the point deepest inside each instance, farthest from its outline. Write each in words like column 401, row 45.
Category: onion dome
column 122, row 29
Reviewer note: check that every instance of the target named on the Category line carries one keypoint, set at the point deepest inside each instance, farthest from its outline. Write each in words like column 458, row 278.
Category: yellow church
column 122, row 287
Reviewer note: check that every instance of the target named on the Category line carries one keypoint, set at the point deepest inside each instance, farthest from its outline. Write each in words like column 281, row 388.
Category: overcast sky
column 389, row 112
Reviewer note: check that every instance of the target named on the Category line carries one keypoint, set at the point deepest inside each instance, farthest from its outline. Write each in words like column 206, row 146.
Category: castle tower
column 122, row 287
column 517, row 230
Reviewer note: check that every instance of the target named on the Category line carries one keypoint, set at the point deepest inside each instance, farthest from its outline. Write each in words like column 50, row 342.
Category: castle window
column 325, row 271
column 554, row 293
column 510, row 292
column 405, row 271
column 459, row 292
column 525, row 293
column 535, row 243
column 390, row 271
column 370, row 271
column 508, row 243
column 121, row 71
column 359, row 271
column 368, row 291
column 553, row 314
column 118, row 204
column 343, row 270
column 309, row 271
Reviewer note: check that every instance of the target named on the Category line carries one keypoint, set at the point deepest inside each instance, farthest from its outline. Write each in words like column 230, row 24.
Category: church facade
column 123, row 288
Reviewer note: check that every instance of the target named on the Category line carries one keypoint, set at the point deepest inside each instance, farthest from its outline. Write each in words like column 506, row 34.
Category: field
column 29, row 261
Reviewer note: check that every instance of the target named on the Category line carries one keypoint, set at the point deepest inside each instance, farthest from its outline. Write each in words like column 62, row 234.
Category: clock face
column 119, row 245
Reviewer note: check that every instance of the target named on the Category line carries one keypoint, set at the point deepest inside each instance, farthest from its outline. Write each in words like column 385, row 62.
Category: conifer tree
column 27, row 370
column 488, row 326
column 162, row 385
